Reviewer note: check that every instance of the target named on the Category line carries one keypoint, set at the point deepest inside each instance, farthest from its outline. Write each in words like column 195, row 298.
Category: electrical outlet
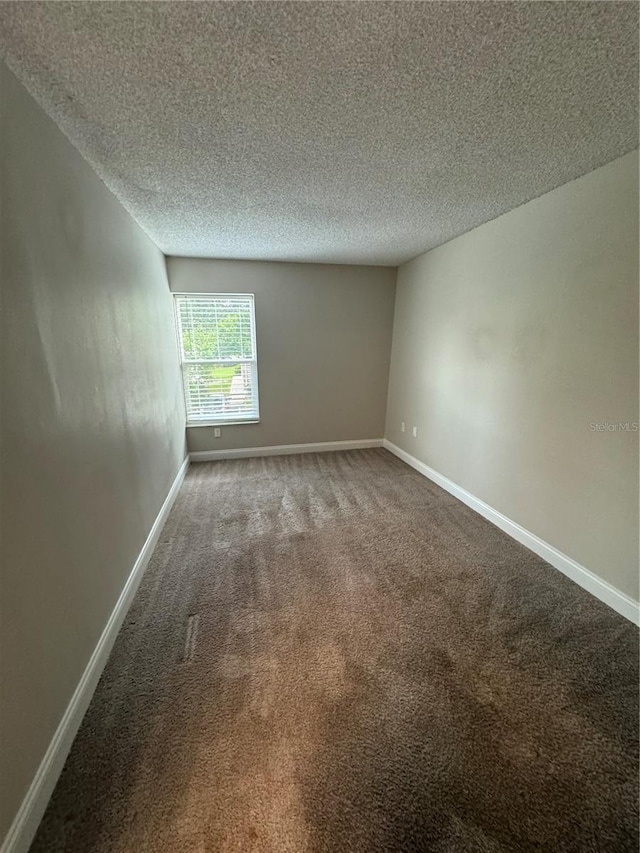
column 402, row 427
column 216, row 432
column 415, row 432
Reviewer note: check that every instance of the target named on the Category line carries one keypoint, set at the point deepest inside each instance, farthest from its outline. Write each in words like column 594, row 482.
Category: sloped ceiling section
column 342, row 132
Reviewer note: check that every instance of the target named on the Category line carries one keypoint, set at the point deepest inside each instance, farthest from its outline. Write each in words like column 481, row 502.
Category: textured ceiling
column 345, row 132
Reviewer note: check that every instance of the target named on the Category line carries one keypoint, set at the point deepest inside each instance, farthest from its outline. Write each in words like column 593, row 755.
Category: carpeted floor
column 329, row 653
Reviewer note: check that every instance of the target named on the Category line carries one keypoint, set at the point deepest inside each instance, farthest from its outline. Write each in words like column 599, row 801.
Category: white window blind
column 217, row 341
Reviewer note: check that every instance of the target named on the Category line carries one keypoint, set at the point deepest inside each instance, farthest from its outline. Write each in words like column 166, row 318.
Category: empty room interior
column 319, row 427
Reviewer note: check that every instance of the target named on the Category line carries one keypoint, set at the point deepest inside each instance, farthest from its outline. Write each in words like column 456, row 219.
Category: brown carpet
column 329, row 653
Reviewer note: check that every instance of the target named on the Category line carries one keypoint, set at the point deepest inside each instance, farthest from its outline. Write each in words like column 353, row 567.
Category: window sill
column 220, row 423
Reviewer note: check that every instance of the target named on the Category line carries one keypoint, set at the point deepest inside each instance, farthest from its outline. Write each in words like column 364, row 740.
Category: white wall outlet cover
column 415, row 432
column 216, row 432
column 402, row 426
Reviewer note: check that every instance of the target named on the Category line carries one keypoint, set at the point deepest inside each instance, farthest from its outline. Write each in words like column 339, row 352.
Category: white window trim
column 234, row 420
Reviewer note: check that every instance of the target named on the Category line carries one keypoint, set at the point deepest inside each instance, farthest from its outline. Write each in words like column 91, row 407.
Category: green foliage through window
column 221, row 331
column 216, row 337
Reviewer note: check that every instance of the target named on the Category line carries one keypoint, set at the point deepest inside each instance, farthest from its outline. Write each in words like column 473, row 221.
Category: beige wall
column 92, row 421
column 509, row 342
column 324, row 341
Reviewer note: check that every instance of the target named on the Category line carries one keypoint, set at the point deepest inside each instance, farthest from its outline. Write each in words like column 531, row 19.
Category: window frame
column 228, row 420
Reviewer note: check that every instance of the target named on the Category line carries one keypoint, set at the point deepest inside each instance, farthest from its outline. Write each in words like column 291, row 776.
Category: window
column 217, row 341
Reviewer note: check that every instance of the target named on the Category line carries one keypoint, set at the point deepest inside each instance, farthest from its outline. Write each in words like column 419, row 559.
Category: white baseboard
column 25, row 824
column 282, row 450
column 607, row 593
